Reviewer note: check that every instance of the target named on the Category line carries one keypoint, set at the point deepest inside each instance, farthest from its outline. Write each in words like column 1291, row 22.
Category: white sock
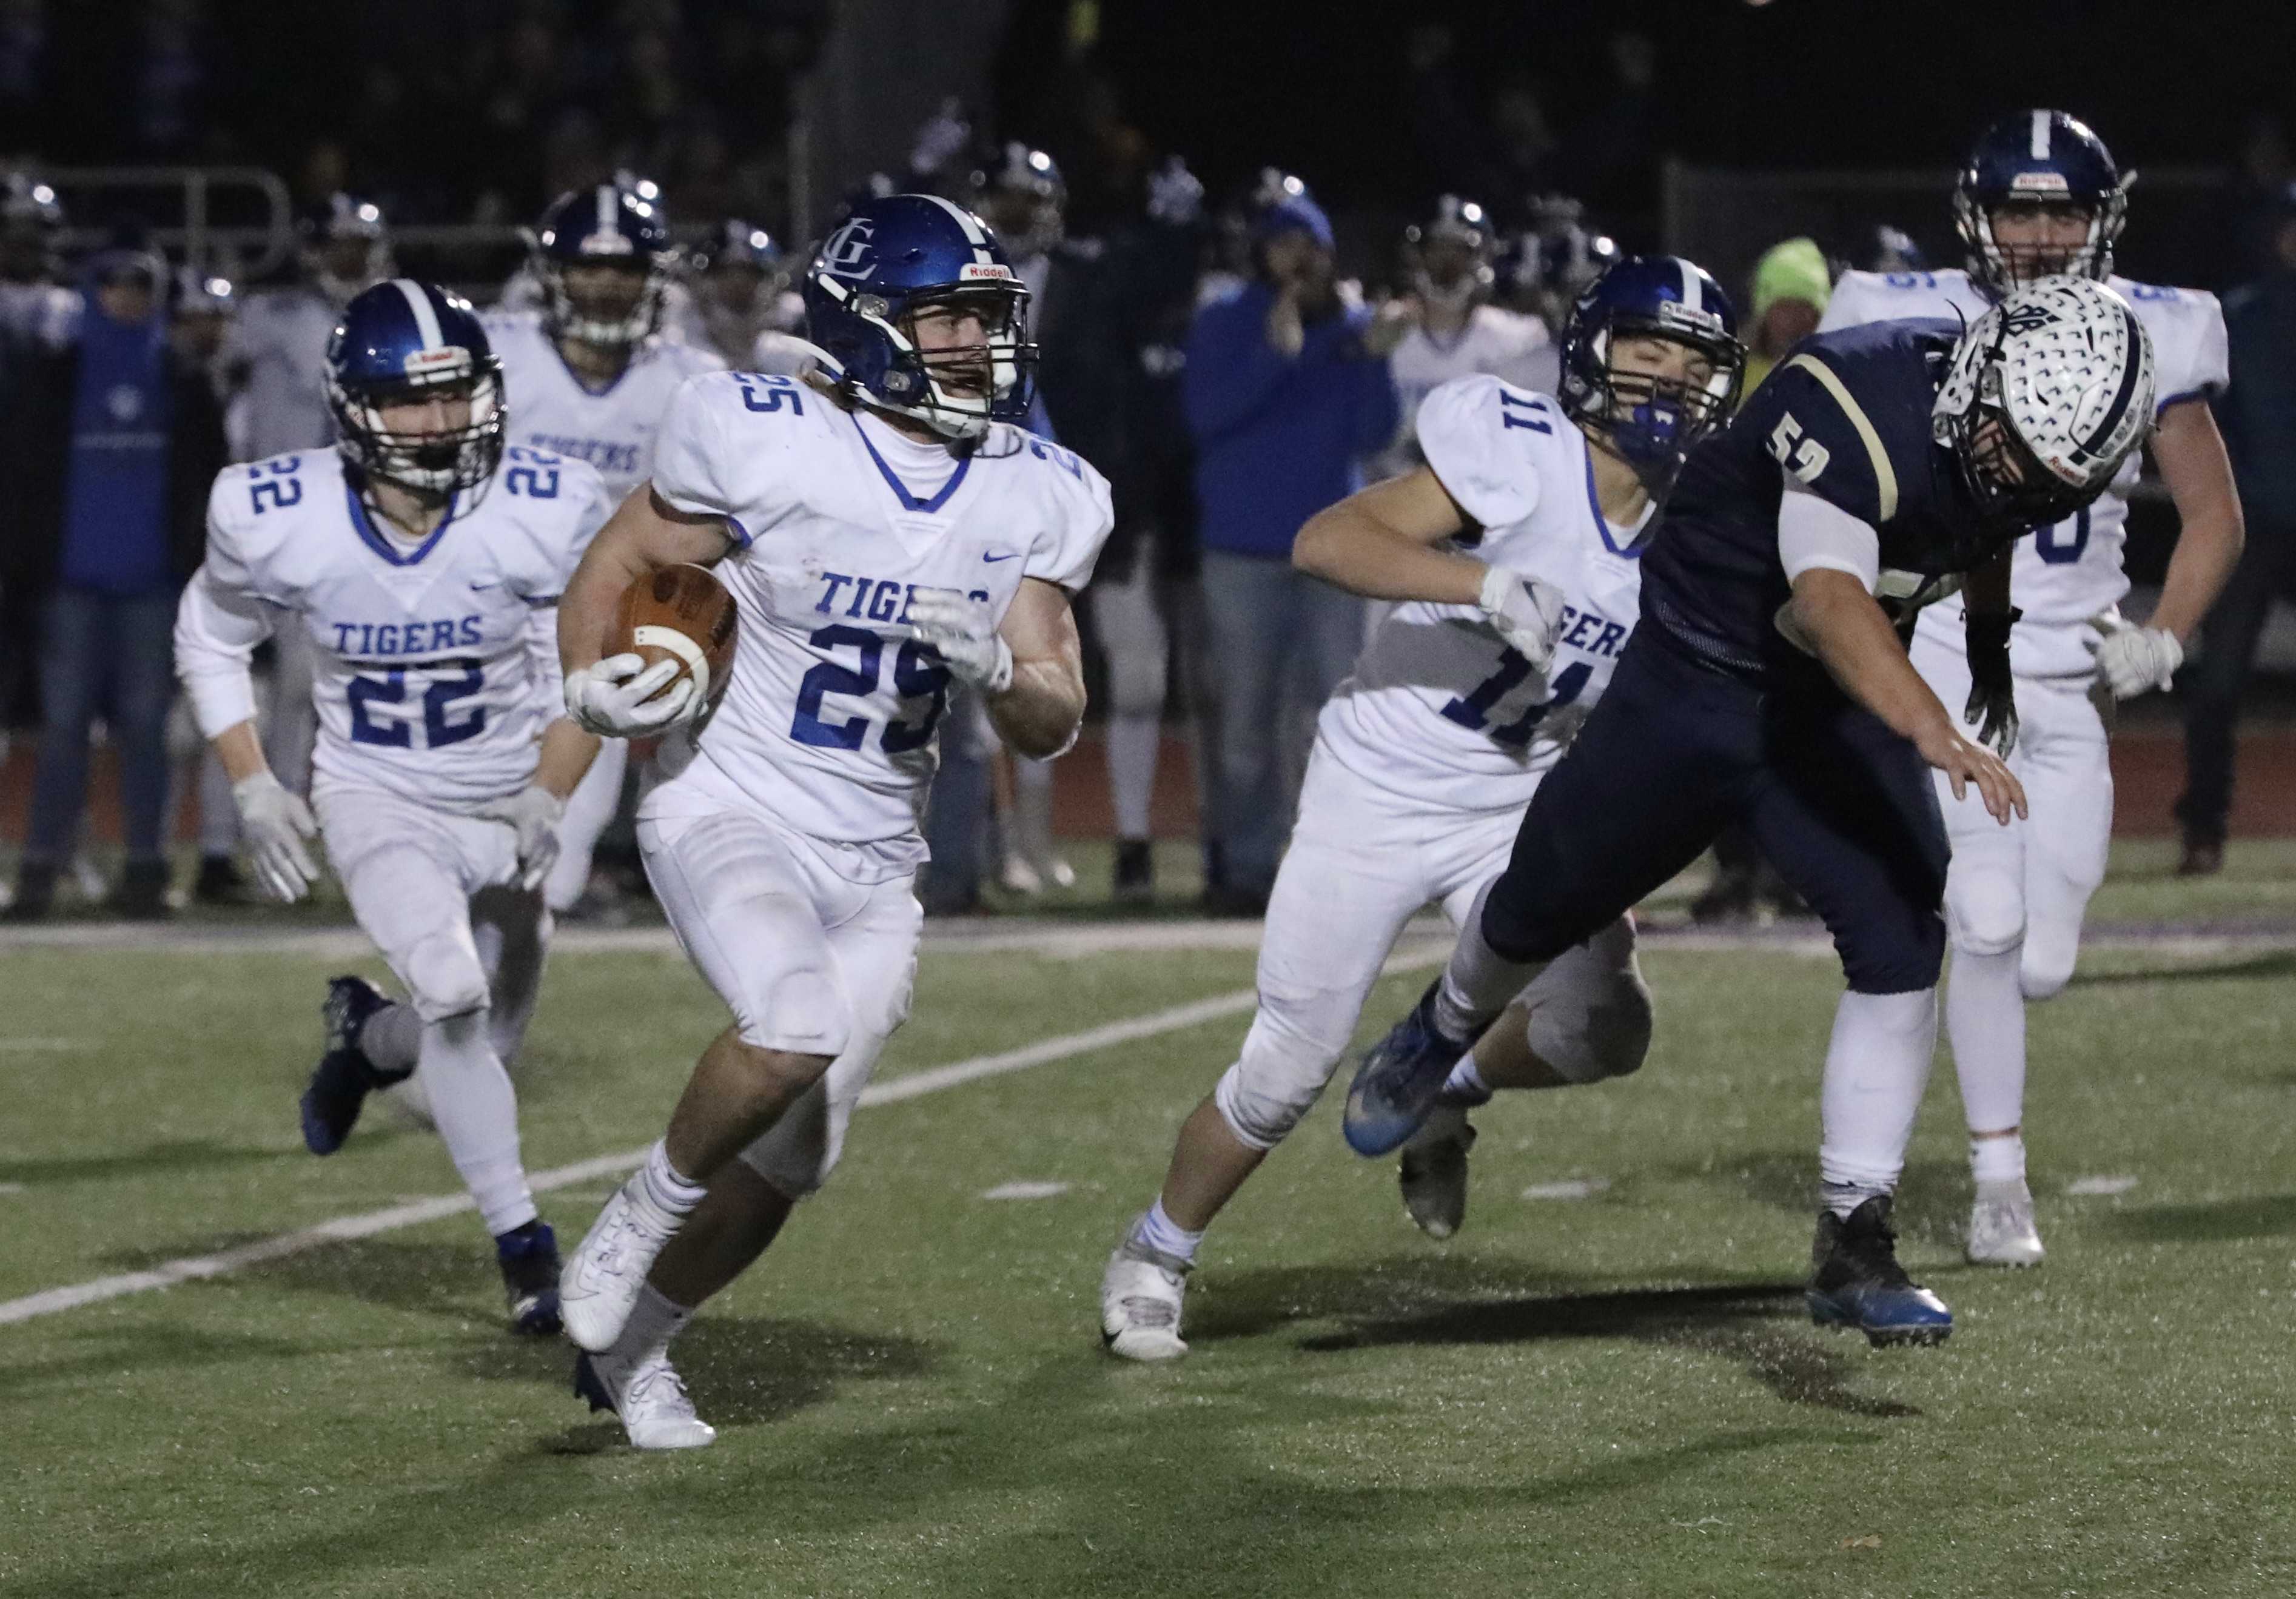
column 1465, row 1085
column 1985, row 1023
column 654, row 1320
column 673, row 1193
column 1479, row 981
column 1133, row 742
column 1876, row 1066
column 1997, row 1159
column 1166, row 1236
column 477, row 1113
column 391, row 1040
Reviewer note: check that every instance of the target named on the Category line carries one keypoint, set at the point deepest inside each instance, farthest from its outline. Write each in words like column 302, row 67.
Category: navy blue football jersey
column 1847, row 413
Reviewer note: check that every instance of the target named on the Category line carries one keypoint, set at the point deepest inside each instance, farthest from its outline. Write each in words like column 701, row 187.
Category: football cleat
column 1433, row 1170
column 1396, row 1086
column 1855, row 1281
column 1140, row 1295
column 647, row 1395
column 529, row 1258
column 344, row 1078
column 599, row 1287
column 2001, row 1230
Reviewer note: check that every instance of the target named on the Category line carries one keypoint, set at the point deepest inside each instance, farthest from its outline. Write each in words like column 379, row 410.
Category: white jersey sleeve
column 704, row 466
column 2188, row 340
column 223, row 616
column 1076, row 519
column 1857, row 298
column 1463, row 428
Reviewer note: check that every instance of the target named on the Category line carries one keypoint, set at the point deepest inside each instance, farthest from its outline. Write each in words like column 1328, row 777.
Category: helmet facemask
column 957, row 391
column 1650, row 422
column 567, row 317
column 435, row 465
column 2004, row 269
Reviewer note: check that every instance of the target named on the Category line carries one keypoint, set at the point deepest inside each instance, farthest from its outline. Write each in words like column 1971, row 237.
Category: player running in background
column 422, row 560
column 1516, row 555
column 1450, row 329
column 741, row 304
column 885, row 527
column 2040, row 194
column 589, row 376
column 1768, row 683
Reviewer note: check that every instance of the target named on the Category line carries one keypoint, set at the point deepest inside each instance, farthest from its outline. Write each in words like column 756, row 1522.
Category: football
column 681, row 613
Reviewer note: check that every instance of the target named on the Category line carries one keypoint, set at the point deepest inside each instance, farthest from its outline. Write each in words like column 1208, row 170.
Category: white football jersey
column 1439, row 709
column 437, row 662
column 2066, row 575
column 1497, row 342
column 828, row 720
column 612, row 427
column 277, row 348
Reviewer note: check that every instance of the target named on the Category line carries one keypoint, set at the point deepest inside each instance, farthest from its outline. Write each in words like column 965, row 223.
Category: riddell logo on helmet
column 429, row 362
column 2040, row 183
column 972, row 271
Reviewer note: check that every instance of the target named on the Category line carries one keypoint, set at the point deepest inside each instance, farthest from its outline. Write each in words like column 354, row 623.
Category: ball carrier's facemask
column 1652, row 423
column 2047, row 393
column 2040, row 159
column 406, row 341
column 892, row 261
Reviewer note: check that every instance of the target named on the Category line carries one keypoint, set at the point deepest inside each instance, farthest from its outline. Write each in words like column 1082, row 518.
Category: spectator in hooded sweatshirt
column 1287, row 393
column 108, row 449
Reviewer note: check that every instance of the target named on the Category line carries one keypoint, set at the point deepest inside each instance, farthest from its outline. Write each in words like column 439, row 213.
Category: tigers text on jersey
column 1439, row 709
column 1495, row 342
column 437, row 662
column 614, row 428
column 2066, row 575
column 827, row 722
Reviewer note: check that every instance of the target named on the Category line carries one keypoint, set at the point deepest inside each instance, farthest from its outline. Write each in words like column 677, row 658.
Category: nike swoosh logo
column 483, row 588
column 1008, row 556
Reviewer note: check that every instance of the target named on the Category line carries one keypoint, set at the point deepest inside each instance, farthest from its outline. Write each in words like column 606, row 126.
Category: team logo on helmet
column 848, row 252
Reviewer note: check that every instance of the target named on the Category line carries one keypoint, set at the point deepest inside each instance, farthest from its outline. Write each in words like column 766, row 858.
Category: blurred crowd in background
column 1233, row 353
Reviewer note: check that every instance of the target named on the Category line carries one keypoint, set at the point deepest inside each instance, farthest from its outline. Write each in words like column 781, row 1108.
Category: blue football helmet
column 2039, row 158
column 894, row 257
column 609, row 225
column 406, row 340
column 1652, row 425
column 1447, row 257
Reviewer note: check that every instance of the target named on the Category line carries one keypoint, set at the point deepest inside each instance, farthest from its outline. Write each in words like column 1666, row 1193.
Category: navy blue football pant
column 1674, row 750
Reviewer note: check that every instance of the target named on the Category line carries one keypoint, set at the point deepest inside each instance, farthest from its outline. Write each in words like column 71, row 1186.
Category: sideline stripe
column 914, row 1085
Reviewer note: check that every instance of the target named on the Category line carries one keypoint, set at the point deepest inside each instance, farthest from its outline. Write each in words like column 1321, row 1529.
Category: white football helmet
column 2066, row 369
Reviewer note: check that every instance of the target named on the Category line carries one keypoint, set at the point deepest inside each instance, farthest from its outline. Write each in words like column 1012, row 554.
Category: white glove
column 1527, row 612
column 610, row 697
column 964, row 635
column 277, row 823
column 2135, row 658
column 533, row 812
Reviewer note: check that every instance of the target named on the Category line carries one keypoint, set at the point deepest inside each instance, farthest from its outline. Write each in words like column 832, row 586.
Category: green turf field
column 1612, row 1395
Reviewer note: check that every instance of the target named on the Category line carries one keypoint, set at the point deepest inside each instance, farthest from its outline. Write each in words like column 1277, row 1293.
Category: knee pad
column 444, row 976
column 1274, row 1082
column 2044, row 969
column 1986, row 909
column 1603, row 1033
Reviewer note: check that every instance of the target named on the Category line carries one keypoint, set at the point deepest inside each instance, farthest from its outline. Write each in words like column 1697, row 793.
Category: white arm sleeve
column 1814, row 533
column 541, row 639
column 216, row 631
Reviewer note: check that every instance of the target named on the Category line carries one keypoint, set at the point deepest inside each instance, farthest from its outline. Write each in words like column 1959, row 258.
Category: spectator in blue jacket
column 1287, row 395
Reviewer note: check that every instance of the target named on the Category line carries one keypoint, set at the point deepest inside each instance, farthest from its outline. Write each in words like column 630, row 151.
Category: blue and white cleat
column 529, row 1258
column 1396, row 1086
column 344, row 1077
column 1855, row 1281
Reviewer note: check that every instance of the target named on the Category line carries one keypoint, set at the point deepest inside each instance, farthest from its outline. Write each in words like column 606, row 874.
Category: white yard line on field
column 910, row 1086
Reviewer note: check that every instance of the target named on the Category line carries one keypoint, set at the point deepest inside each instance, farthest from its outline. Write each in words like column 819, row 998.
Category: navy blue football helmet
column 2038, row 158
column 894, row 257
column 609, row 225
column 1447, row 257
column 404, row 340
column 1652, row 425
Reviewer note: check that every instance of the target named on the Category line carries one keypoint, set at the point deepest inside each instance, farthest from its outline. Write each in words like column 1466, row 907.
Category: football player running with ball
column 592, row 374
column 883, row 526
column 421, row 558
column 1871, row 474
column 1517, row 554
column 2039, row 196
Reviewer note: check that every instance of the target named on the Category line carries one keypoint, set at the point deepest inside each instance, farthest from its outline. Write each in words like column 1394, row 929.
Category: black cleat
column 1135, row 872
column 530, row 1266
column 344, row 1078
column 1855, row 1281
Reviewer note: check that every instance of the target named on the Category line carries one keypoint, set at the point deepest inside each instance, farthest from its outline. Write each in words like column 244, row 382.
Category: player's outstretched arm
column 1852, row 635
column 1380, row 543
